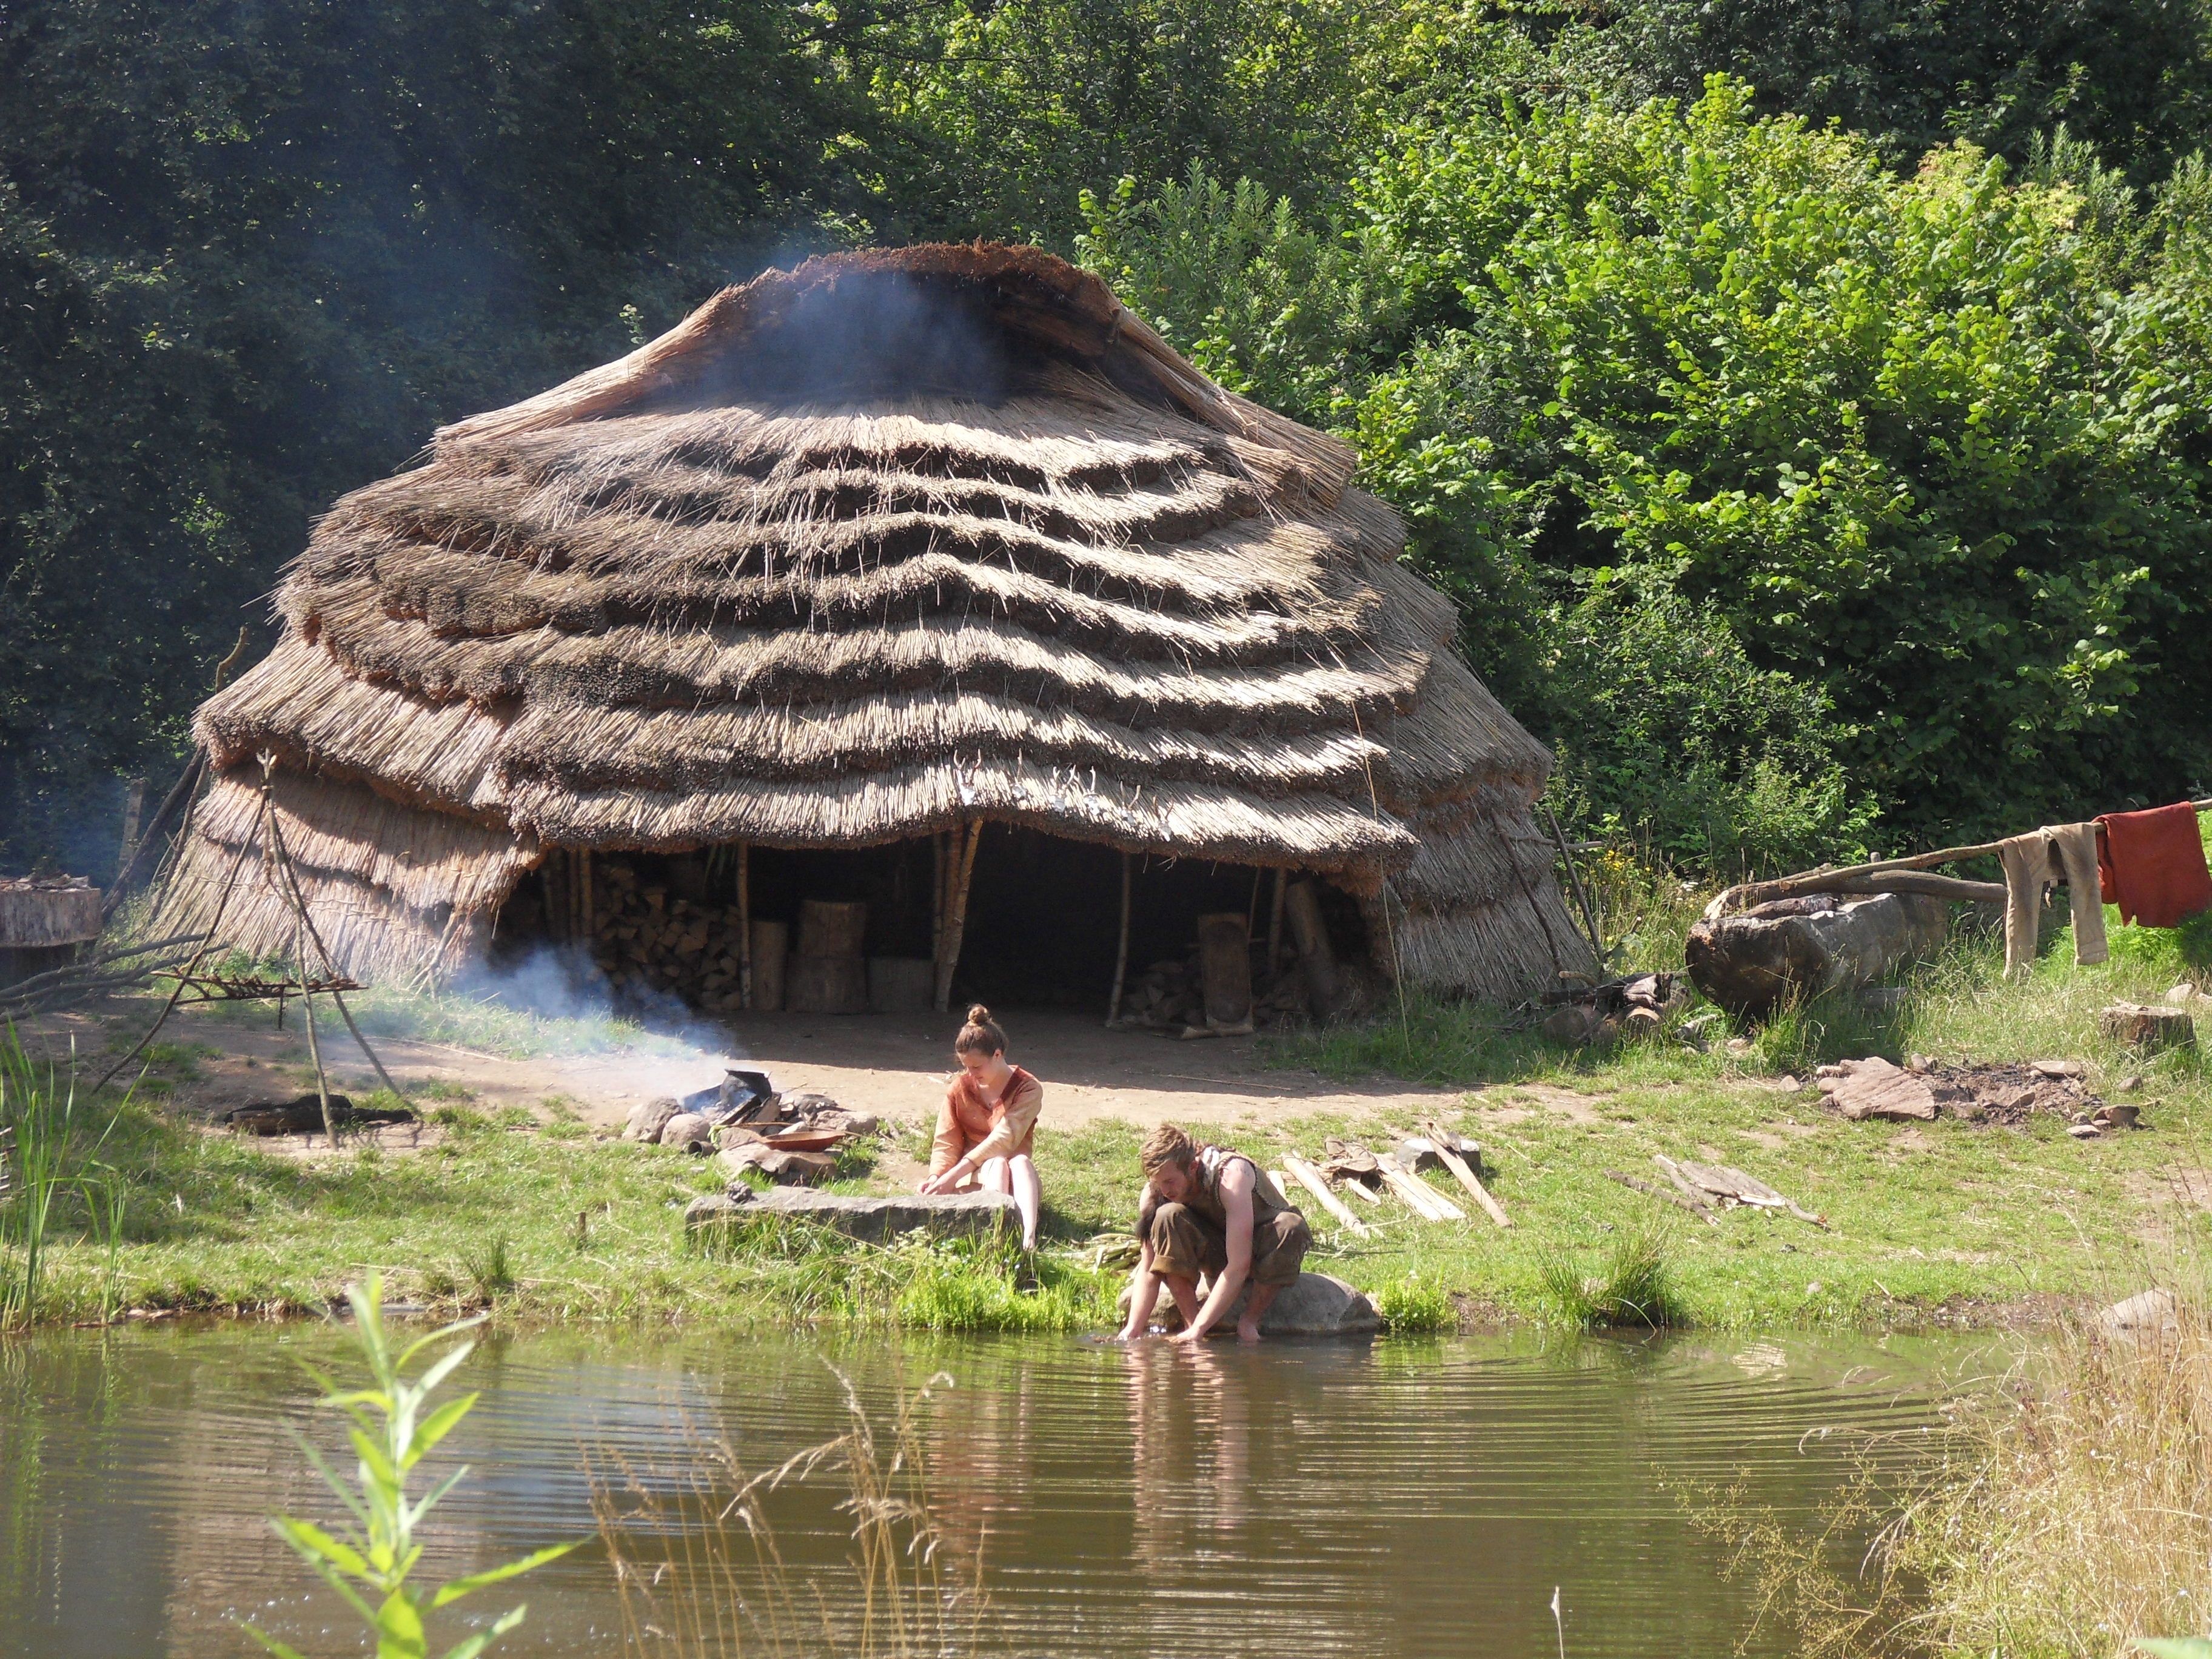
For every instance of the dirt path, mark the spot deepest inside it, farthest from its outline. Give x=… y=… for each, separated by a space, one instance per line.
x=895 y=1066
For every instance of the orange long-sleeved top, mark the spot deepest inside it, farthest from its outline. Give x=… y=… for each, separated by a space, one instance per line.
x=968 y=1127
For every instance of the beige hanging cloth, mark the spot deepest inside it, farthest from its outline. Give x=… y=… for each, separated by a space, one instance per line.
x=2065 y=852
x=2073 y=862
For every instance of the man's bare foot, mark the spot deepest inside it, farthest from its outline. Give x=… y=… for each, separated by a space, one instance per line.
x=1248 y=1330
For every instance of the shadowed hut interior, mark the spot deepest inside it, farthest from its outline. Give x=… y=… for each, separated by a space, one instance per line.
x=927 y=581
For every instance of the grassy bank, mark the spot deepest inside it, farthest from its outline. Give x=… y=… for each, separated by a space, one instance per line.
x=536 y=1212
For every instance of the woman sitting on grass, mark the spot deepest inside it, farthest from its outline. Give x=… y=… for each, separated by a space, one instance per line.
x=988 y=1122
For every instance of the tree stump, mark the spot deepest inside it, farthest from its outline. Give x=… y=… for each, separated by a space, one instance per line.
x=2150 y=1029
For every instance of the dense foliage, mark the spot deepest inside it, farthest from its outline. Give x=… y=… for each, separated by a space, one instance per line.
x=1804 y=484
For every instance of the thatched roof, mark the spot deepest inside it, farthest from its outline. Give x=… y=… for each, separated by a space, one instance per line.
x=858 y=551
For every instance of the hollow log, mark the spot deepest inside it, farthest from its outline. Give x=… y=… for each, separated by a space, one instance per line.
x=1317 y=961
x=1794 y=949
x=1224 y=967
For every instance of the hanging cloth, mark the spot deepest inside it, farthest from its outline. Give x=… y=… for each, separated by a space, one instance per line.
x=2152 y=865
x=2073 y=862
x=2065 y=854
x=2026 y=860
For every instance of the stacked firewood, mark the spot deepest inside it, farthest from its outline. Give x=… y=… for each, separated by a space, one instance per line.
x=647 y=936
x=1171 y=996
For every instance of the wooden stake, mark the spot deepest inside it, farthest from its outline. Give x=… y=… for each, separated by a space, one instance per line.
x=1311 y=1178
x=1476 y=1190
x=1360 y=1190
x=1121 y=951
x=1275 y=929
x=134 y=807
x=745 y=925
x=960 y=870
x=314 y=1043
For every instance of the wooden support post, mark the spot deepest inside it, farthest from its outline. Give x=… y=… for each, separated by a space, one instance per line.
x=745 y=925
x=959 y=871
x=1121 y=951
x=314 y=1042
x=584 y=900
x=1311 y=1178
x=936 y=896
x=134 y=807
x=1275 y=930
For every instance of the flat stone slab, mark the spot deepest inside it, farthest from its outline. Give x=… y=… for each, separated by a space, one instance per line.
x=876 y=1220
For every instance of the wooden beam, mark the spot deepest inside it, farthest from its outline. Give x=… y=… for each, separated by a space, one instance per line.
x=1275 y=929
x=745 y=925
x=1311 y=1178
x=1121 y=951
x=1424 y=1199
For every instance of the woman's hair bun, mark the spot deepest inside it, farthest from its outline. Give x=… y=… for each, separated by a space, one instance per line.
x=981 y=1034
x=979 y=1014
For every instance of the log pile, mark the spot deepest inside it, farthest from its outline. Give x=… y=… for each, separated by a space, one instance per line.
x=647 y=937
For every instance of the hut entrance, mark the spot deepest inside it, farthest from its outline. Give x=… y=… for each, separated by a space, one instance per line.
x=850 y=930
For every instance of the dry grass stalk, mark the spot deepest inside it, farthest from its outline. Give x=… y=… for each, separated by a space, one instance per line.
x=700 y=1574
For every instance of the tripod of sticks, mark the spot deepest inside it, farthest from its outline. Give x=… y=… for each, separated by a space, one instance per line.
x=267 y=835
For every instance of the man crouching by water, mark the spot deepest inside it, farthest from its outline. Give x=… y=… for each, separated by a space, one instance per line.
x=1210 y=1211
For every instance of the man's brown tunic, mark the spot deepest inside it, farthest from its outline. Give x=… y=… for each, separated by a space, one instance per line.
x=1192 y=1237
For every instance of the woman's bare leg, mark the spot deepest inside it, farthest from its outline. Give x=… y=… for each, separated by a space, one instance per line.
x=1029 y=1192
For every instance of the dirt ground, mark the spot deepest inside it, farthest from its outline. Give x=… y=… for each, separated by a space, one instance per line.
x=894 y=1066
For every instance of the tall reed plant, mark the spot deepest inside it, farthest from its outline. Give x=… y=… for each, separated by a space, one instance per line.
x=47 y=1148
x=701 y=1575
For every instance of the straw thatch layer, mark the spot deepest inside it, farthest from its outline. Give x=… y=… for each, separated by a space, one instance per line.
x=861 y=551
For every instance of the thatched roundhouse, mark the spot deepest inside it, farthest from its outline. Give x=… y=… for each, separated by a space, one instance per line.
x=871 y=551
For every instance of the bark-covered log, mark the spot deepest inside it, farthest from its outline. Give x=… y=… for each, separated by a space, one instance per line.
x=1754 y=963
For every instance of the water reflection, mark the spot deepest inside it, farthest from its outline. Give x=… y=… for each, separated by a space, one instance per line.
x=1403 y=1498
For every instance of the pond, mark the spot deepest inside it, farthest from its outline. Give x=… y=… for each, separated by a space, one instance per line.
x=1403 y=1497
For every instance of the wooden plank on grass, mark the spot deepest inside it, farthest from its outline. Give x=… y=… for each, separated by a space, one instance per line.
x=1309 y=1178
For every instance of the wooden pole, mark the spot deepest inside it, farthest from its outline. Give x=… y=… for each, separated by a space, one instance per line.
x=1121 y=951
x=745 y=925
x=584 y=895
x=134 y=808
x=937 y=895
x=314 y=1042
x=1275 y=928
x=1467 y=1178
x=960 y=871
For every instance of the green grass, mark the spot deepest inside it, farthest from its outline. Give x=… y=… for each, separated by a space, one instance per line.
x=1961 y=1220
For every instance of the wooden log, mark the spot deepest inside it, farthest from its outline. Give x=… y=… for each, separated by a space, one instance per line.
x=134 y=807
x=1316 y=960
x=832 y=929
x=828 y=985
x=960 y=872
x=771 y=947
x=1224 y=967
x=1121 y=951
x=1311 y=1178
x=1360 y=1190
x=1701 y=1210
x=1751 y=964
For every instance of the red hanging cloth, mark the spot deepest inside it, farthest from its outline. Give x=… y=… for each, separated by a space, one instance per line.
x=2151 y=865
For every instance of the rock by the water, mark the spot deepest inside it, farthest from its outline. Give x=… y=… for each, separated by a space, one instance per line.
x=648 y=1120
x=876 y=1220
x=692 y=1131
x=2146 y=1310
x=1774 y=953
x=1318 y=1304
